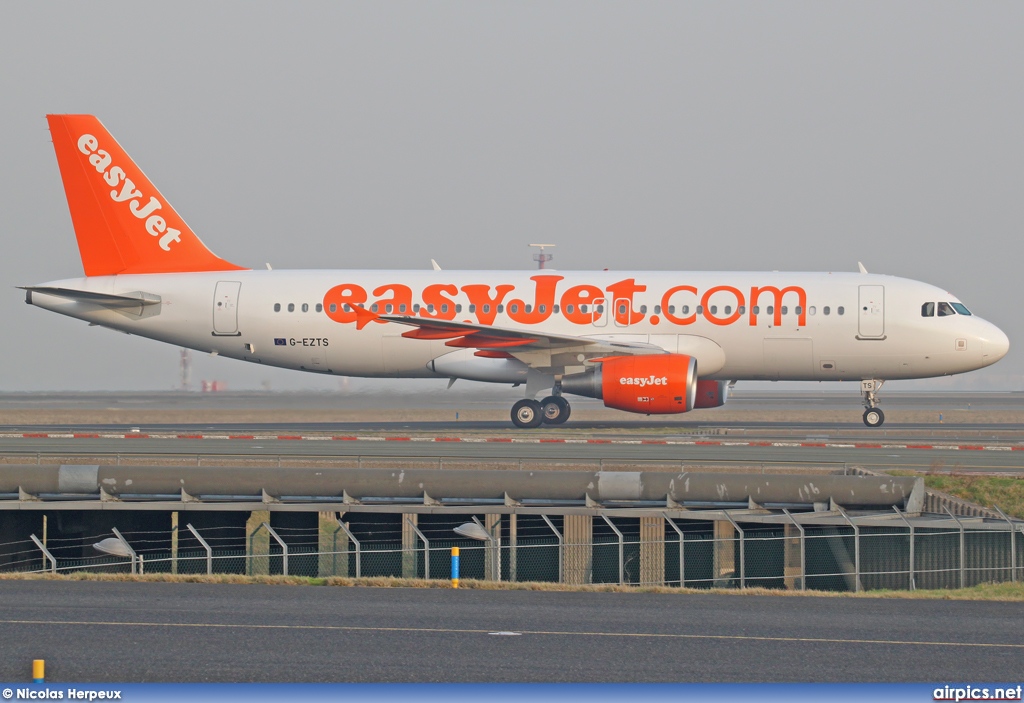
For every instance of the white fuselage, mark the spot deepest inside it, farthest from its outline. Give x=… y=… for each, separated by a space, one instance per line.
x=801 y=326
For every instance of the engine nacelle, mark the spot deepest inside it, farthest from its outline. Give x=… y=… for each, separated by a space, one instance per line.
x=654 y=384
x=711 y=394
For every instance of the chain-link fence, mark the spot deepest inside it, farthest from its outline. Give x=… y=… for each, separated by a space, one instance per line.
x=697 y=554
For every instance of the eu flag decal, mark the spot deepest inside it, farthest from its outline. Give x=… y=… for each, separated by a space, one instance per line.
x=280 y=342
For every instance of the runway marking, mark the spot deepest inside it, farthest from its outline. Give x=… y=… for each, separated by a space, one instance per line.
x=557 y=633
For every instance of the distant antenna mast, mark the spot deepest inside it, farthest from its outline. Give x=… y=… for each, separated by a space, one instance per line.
x=542 y=258
x=186 y=370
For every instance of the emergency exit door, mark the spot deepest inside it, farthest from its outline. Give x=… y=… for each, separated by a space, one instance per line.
x=225 y=308
x=871 y=312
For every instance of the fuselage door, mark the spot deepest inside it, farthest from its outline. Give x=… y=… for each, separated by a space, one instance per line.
x=871 y=312
x=598 y=314
x=225 y=308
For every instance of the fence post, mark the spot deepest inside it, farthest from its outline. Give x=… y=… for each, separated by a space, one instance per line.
x=426 y=549
x=913 y=584
x=962 y=556
x=803 y=551
x=46 y=554
x=682 y=572
x=856 y=549
x=126 y=546
x=455 y=567
x=743 y=560
x=622 y=569
x=1013 y=543
x=495 y=549
x=359 y=560
x=284 y=547
x=209 y=551
x=561 y=554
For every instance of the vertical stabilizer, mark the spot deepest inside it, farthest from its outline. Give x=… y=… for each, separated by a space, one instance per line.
x=122 y=222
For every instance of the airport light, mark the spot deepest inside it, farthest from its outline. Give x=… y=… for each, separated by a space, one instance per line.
x=471 y=530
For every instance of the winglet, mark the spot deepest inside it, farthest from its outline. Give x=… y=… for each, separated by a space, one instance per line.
x=861 y=267
x=434 y=264
x=122 y=222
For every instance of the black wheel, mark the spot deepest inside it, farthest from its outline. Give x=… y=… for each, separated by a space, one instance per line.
x=527 y=413
x=873 y=417
x=555 y=409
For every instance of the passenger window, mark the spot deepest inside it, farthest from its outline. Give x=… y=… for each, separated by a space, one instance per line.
x=657 y=309
x=555 y=309
x=928 y=310
x=569 y=309
x=685 y=310
x=444 y=307
x=501 y=308
x=334 y=307
x=840 y=310
x=583 y=308
x=542 y=308
x=622 y=309
x=373 y=308
x=643 y=309
x=700 y=309
x=472 y=308
x=771 y=309
x=799 y=310
x=961 y=308
x=945 y=310
x=600 y=309
x=458 y=307
x=785 y=310
x=319 y=307
x=756 y=309
x=277 y=307
x=430 y=308
x=714 y=309
x=672 y=309
x=728 y=309
x=291 y=307
x=528 y=308
x=826 y=310
x=305 y=307
x=415 y=307
x=389 y=308
x=401 y=308
x=742 y=310
x=513 y=308
x=812 y=310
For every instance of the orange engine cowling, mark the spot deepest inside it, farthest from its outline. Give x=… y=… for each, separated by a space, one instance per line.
x=654 y=384
x=711 y=394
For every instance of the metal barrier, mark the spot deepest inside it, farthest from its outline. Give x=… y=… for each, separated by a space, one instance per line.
x=854 y=557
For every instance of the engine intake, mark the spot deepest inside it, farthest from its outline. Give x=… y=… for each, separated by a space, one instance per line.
x=655 y=384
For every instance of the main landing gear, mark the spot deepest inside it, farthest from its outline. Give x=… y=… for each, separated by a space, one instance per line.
x=873 y=415
x=528 y=413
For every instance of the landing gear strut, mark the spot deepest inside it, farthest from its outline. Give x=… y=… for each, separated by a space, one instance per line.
x=873 y=416
x=528 y=413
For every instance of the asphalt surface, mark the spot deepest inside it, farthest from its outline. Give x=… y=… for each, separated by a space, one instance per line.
x=789 y=454
x=145 y=632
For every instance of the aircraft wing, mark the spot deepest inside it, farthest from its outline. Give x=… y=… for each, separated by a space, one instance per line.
x=539 y=350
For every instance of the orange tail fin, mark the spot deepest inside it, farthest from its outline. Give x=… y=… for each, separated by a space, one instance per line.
x=122 y=222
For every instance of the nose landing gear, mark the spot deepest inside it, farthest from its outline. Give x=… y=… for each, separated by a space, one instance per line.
x=528 y=413
x=873 y=416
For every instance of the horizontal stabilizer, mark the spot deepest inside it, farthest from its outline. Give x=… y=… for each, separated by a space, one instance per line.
x=107 y=300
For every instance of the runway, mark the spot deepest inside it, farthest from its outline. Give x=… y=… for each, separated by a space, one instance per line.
x=134 y=632
x=672 y=452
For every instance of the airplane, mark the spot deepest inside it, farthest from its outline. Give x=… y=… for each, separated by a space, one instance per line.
x=648 y=342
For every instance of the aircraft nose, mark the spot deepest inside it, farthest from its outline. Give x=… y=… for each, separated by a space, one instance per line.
x=995 y=344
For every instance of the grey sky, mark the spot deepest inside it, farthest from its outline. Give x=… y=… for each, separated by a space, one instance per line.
x=790 y=136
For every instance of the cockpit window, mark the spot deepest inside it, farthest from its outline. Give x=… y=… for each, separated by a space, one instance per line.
x=945 y=309
x=928 y=310
x=961 y=308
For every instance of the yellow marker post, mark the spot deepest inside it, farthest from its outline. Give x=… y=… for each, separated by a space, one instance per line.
x=38 y=671
x=455 y=567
